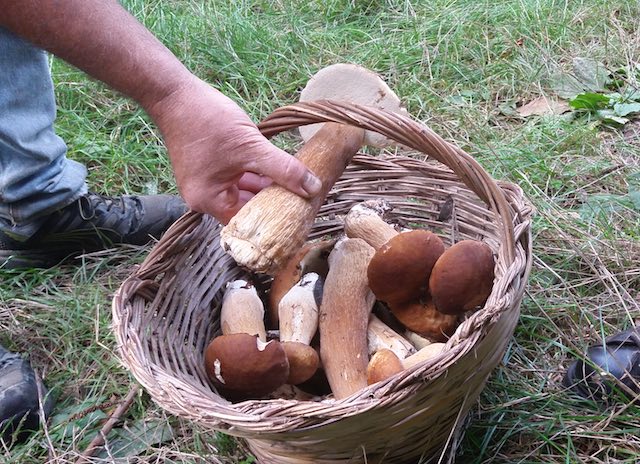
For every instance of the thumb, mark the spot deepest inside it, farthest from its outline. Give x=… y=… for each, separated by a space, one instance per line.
x=287 y=171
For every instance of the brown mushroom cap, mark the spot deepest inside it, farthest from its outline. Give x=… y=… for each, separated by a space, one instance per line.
x=303 y=362
x=400 y=269
x=423 y=318
x=462 y=278
x=241 y=366
x=382 y=365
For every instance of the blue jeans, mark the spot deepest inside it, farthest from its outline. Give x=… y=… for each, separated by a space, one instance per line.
x=36 y=177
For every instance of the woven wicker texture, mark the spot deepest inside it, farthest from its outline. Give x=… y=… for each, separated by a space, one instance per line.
x=166 y=312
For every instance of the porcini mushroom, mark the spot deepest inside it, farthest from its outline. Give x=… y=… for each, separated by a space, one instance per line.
x=385 y=363
x=382 y=312
x=418 y=341
x=365 y=221
x=424 y=354
x=274 y=224
x=312 y=257
x=240 y=362
x=399 y=271
x=344 y=317
x=355 y=84
x=242 y=366
x=298 y=314
x=382 y=365
x=462 y=278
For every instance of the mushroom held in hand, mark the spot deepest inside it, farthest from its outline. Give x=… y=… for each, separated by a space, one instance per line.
x=242 y=366
x=274 y=224
x=298 y=314
x=462 y=278
x=271 y=227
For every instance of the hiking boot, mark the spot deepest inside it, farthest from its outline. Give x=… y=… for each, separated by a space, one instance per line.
x=91 y=223
x=19 y=404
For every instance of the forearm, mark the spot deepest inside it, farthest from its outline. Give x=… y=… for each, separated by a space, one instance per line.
x=212 y=143
x=104 y=40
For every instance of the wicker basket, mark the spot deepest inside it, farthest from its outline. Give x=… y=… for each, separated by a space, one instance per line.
x=166 y=312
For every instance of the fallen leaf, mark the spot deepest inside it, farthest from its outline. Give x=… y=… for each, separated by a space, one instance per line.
x=625 y=109
x=542 y=106
x=592 y=73
x=587 y=75
x=566 y=85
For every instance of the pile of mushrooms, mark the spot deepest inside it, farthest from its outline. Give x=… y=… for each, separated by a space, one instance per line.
x=328 y=338
x=326 y=307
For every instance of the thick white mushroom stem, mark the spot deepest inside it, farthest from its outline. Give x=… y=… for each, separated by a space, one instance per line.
x=275 y=223
x=381 y=336
x=312 y=257
x=298 y=310
x=346 y=305
x=366 y=221
x=298 y=314
x=242 y=310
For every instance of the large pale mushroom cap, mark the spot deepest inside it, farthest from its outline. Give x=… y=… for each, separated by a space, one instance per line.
x=354 y=84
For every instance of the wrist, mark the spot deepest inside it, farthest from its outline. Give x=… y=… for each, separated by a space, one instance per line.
x=158 y=99
x=192 y=106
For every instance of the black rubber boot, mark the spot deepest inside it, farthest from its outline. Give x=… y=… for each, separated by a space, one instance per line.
x=619 y=356
x=19 y=404
x=91 y=223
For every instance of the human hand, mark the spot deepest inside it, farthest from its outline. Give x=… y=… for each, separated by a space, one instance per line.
x=219 y=157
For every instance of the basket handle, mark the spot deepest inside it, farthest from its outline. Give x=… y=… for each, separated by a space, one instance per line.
x=405 y=131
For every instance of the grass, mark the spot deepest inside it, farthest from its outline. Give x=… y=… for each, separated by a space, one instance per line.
x=459 y=65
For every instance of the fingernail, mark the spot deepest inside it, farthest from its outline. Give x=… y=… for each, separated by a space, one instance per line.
x=311 y=184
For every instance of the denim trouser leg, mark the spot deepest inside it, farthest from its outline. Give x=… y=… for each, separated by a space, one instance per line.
x=36 y=177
